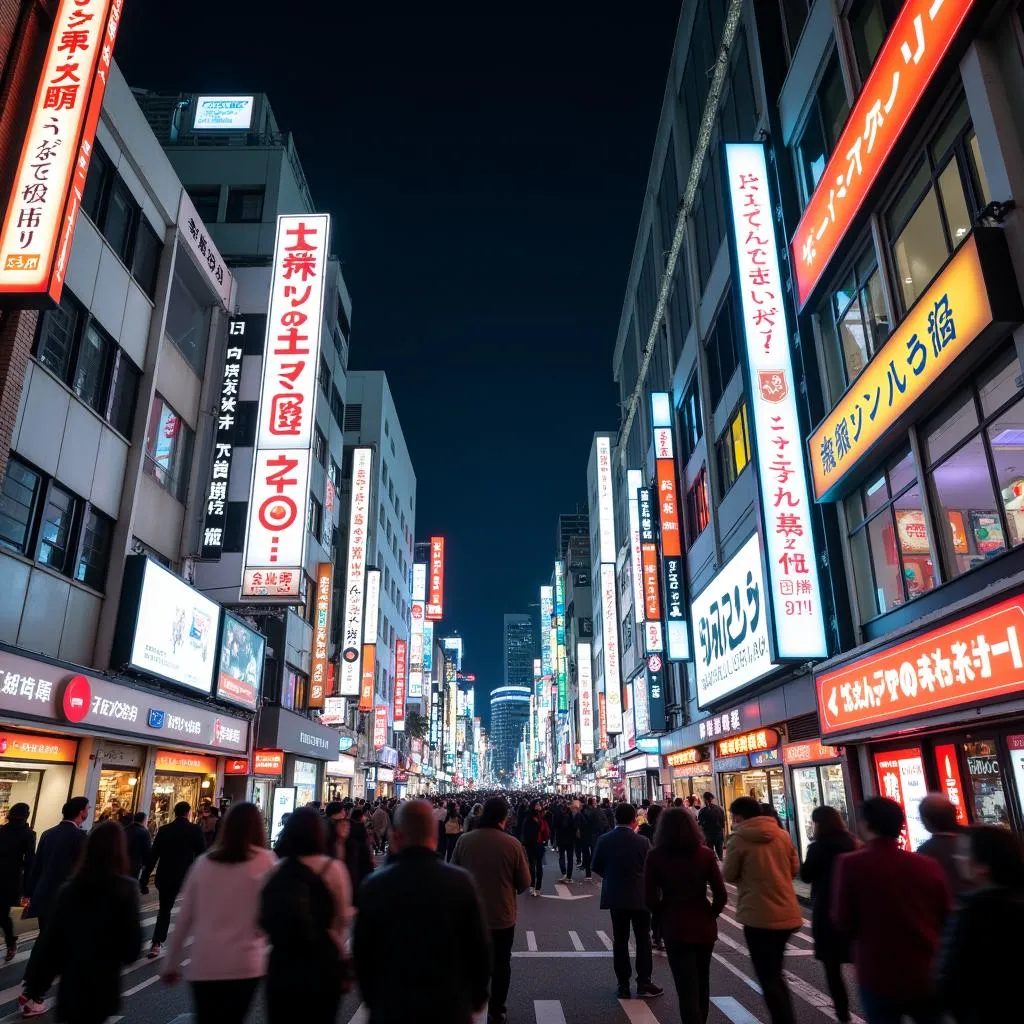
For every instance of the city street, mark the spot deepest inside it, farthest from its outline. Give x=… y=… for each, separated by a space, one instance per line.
x=561 y=972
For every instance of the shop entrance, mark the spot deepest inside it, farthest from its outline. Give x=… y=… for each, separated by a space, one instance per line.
x=696 y=785
x=816 y=786
x=188 y=777
x=765 y=785
x=36 y=770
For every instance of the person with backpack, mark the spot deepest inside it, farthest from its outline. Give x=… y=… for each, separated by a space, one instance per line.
x=535 y=835
x=305 y=909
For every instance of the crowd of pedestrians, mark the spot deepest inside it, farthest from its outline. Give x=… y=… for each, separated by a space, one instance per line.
x=327 y=903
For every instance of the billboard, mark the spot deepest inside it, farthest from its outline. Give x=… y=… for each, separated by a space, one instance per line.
x=585 y=685
x=380 y=726
x=321 y=634
x=561 y=664
x=46 y=193
x=223 y=113
x=368 y=681
x=419 y=582
x=793 y=578
x=635 y=481
x=605 y=499
x=275 y=539
x=355 y=576
x=401 y=670
x=371 y=620
x=609 y=630
x=435 y=598
x=240 y=670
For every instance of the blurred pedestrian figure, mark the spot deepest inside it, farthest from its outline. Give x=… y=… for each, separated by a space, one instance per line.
x=565 y=838
x=358 y=851
x=101 y=896
x=711 y=819
x=498 y=865
x=680 y=871
x=762 y=863
x=140 y=844
x=220 y=914
x=175 y=848
x=590 y=829
x=647 y=829
x=305 y=908
x=619 y=859
x=534 y=837
x=17 y=851
x=452 y=829
x=447 y=980
x=473 y=818
x=208 y=822
x=938 y=815
x=381 y=824
x=982 y=937
x=892 y=904
x=338 y=828
x=831 y=840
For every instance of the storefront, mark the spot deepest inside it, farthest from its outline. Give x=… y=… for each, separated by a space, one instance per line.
x=940 y=709
x=304 y=747
x=750 y=764
x=36 y=770
x=178 y=777
x=643 y=777
x=689 y=771
x=339 y=776
x=817 y=777
x=119 y=791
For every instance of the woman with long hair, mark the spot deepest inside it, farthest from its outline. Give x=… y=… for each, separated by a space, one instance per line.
x=336 y=815
x=219 y=912
x=831 y=840
x=101 y=896
x=305 y=910
x=679 y=873
x=17 y=851
x=452 y=829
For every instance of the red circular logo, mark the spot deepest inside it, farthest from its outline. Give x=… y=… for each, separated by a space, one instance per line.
x=77 y=699
x=417 y=610
x=654 y=663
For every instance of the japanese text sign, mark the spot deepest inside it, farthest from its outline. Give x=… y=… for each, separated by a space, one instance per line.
x=435 y=600
x=920 y=38
x=215 y=513
x=275 y=541
x=651 y=595
x=747 y=743
x=973 y=659
x=401 y=670
x=657 y=719
x=605 y=499
x=947 y=765
x=204 y=252
x=355 y=576
x=634 y=481
x=369 y=678
x=380 y=726
x=602 y=721
x=321 y=634
x=943 y=323
x=808 y=752
x=901 y=778
x=268 y=762
x=730 y=625
x=609 y=630
x=46 y=194
x=372 y=619
x=585 y=685
x=419 y=581
x=692 y=755
x=793 y=578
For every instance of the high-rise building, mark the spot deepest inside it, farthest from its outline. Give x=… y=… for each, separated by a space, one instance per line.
x=520 y=649
x=572 y=524
x=510 y=714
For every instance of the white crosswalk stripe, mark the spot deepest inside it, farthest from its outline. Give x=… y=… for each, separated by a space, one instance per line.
x=548 y=1011
x=607 y=942
x=531 y=941
x=577 y=942
x=734 y=1010
x=637 y=1011
x=361 y=1016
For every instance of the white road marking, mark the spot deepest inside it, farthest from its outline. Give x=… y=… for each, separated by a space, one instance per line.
x=361 y=1016
x=562 y=893
x=605 y=941
x=732 y=968
x=561 y=954
x=638 y=1011
x=548 y=1011
x=531 y=941
x=142 y=984
x=737 y=1013
x=577 y=943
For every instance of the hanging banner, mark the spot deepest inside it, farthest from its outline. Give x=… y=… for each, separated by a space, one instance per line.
x=321 y=634
x=369 y=679
x=609 y=629
x=585 y=684
x=634 y=482
x=435 y=600
x=401 y=668
x=380 y=726
x=355 y=579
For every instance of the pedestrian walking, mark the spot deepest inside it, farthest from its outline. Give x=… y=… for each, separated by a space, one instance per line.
x=711 y=819
x=832 y=839
x=679 y=873
x=892 y=904
x=762 y=863
x=498 y=865
x=175 y=848
x=447 y=980
x=140 y=844
x=381 y=824
x=304 y=909
x=17 y=851
x=565 y=839
x=219 y=914
x=452 y=830
x=57 y=854
x=647 y=829
x=590 y=829
x=208 y=822
x=982 y=937
x=473 y=818
x=938 y=815
x=339 y=828
x=358 y=851
x=534 y=836
x=101 y=897
x=619 y=858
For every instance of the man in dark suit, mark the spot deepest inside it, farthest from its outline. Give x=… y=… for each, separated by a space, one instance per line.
x=140 y=843
x=451 y=973
x=619 y=858
x=56 y=856
x=175 y=848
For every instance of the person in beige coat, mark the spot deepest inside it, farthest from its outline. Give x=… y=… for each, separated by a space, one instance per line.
x=761 y=861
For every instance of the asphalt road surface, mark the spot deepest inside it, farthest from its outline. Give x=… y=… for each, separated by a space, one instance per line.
x=561 y=972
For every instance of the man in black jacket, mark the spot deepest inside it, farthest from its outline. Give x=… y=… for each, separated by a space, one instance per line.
x=140 y=843
x=448 y=981
x=175 y=848
x=711 y=819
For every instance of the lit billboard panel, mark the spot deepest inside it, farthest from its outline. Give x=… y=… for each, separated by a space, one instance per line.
x=634 y=481
x=321 y=634
x=355 y=577
x=401 y=669
x=609 y=629
x=585 y=684
x=435 y=599
x=605 y=500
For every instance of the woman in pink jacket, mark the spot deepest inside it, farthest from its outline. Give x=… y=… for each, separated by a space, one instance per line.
x=220 y=912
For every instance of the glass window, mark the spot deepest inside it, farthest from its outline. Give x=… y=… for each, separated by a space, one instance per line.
x=124 y=389
x=988 y=796
x=723 y=358
x=870 y=21
x=188 y=324
x=734 y=448
x=97 y=182
x=698 y=506
x=691 y=427
x=119 y=220
x=57 y=528
x=57 y=330
x=825 y=121
x=168 y=448
x=794 y=14
x=245 y=205
x=206 y=200
x=146 y=261
x=314 y=517
x=324 y=376
x=319 y=446
x=97 y=532
x=95 y=355
x=17 y=503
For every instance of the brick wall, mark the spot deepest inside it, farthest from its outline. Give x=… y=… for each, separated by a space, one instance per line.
x=24 y=31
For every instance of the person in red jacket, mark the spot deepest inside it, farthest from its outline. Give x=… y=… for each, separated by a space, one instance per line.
x=893 y=905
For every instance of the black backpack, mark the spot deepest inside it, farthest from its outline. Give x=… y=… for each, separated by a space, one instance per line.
x=297 y=908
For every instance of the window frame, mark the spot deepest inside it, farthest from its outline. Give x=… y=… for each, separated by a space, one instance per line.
x=728 y=468
x=698 y=506
x=181 y=471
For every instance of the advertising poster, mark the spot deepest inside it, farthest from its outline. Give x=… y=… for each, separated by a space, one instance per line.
x=241 y=663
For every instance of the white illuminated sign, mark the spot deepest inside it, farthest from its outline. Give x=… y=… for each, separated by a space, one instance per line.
x=609 y=630
x=220 y=113
x=371 y=622
x=795 y=586
x=605 y=499
x=276 y=531
x=585 y=685
x=641 y=708
x=730 y=627
x=634 y=481
x=355 y=578
x=419 y=581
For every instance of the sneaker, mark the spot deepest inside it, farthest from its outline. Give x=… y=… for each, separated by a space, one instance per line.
x=154 y=951
x=33 y=1008
x=22 y=1000
x=649 y=991
x=535 y=892
x=563 y=879
x=624 y=992
x=12 y=952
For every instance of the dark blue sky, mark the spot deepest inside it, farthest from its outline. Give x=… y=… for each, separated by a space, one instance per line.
x=485 y=172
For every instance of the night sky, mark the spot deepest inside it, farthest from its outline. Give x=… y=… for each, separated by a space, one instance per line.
x=485 y=173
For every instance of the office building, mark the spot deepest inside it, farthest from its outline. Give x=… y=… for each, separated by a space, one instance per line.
x=571 y=524
x=520 y=646
x=510 y=714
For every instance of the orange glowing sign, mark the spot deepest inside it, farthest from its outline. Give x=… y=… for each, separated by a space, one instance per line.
x=35 y=241
x=910 y=56
x=943 y=324
x=948 y=767
x=268 y=762
x=196 y=764
x=369 y=677
x=668 y=503
x=747 y=743
x=808 y=752
x=24 y=746
x=435 y=592
x=973 y=659
x=321 y=634
x=652 y=595
x=602 y=722
x=692 y=755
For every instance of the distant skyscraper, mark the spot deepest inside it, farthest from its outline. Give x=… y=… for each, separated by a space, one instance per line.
x=572 y=524
x=510 y=713
x=520 y=649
